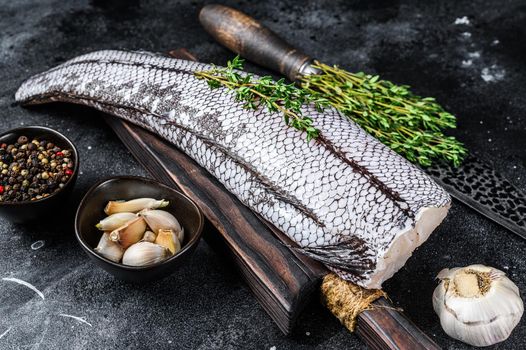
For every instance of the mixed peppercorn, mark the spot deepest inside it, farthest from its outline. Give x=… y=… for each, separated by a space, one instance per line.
x=32 y=170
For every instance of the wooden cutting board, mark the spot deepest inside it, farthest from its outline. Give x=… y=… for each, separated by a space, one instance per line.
x=282 y=280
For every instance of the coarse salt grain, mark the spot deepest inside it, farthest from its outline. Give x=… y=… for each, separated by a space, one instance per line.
x=462 y=20
x=492 y=74
x=467 y=63
x=37 y=245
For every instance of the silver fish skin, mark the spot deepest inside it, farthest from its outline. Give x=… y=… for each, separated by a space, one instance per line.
x=345 y=198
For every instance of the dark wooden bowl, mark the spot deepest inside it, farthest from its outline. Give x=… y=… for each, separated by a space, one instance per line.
x=91 y=211
x=27 y=211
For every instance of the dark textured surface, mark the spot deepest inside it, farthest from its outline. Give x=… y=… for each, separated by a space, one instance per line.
x=206 y=305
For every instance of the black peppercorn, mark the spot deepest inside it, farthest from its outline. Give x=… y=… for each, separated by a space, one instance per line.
x=31 y=170
x=22 y=140
x=7 y=158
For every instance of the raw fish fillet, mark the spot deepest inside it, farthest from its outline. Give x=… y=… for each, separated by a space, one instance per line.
x=345 y=198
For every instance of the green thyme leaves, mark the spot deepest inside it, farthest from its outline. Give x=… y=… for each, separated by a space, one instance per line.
x=275 y=96
x=410 y=125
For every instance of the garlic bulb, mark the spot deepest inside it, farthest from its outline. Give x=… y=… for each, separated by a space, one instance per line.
x=163 y=220
x=109 y=249
x=477 y=304
x=144 y=253
x=115 y=221
x=134 y=205
x=130 y=233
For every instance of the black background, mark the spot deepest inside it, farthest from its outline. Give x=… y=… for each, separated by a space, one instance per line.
x=206 y=305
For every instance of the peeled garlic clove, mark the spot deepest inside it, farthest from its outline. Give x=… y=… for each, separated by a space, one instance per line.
x=144 y=253
x=134 y=205
x=115 y=221
x=163 y=220
x=130 y=233
x=148 y=236
x=169 y=240
x=109 y=249
x=477 y=304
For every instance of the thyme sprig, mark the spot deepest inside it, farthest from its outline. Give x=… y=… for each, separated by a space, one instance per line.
x=276 y=96
x=409 y=124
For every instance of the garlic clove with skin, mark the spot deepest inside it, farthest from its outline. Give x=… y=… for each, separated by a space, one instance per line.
x=130 y=233
x=162 y=220
x=115 y=221
x=148 y=236
x=109 y=249
x=134 y=205
x=169 y=240
x=144 y=253
x=477 y=304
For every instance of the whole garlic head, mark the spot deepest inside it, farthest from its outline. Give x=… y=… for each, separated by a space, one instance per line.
x=477 y=304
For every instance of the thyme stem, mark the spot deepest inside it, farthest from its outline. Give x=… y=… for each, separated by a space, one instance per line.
x=276 y=96
x=409 y=124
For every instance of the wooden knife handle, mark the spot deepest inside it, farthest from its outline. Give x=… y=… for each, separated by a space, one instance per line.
x=385 y=327
x=250 y=39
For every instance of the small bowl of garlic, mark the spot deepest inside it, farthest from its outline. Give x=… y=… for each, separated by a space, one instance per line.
x=136 y=228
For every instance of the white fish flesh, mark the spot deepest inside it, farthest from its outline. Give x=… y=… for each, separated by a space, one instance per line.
x=345 y=198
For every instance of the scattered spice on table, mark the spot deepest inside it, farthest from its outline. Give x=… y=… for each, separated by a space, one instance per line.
x=33 y=169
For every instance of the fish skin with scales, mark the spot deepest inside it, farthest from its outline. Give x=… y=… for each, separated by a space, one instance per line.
x=346 y=199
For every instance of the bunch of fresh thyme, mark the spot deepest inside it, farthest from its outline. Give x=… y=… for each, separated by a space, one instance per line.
x=274 y=95
x=409 y=124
